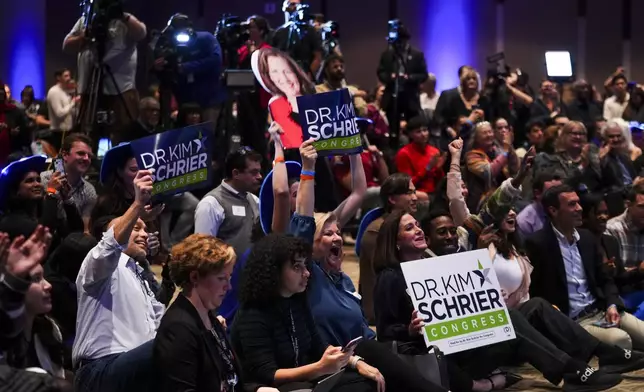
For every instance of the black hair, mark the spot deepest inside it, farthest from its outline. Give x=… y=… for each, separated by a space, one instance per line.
x=434 y=213
x=262 y=275
x=618 y=77
x=386 y=252
x=540 y=179
x=29 y=91
x=395 y=184
x=113 y=198
x=238 y=160
x=59 y=72
x=69 y=141
x=550 y=197
x=636 y=189
x=417 y=123
x=69 y=255
x=262 y=24
x=185 y=110
x=589 y=202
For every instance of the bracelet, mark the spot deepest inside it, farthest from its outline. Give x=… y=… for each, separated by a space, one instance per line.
x=353 y=361
x=278 y=160
x=306 y=177
x=307 y=173
x=52 y=190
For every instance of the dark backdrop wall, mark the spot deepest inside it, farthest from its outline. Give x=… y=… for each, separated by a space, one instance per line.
x=451 y=32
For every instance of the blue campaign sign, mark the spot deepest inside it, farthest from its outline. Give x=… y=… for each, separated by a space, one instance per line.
x=181 y=159
x=330 y=119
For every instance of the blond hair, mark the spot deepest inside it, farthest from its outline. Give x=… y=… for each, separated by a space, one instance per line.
x=199 y=252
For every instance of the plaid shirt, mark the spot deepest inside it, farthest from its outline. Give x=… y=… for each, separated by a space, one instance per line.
x=631 y=239
x=83 y=195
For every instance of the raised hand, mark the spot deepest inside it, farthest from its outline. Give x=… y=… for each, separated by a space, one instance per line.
x=143 y=186
x=23 y=255
x=275 y=131
x=456 y=147
x=308 y=153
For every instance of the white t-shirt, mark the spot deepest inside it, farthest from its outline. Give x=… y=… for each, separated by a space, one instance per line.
x=120 y=57
x=508 y=272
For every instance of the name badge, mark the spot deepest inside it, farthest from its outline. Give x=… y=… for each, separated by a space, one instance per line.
x=239 y=210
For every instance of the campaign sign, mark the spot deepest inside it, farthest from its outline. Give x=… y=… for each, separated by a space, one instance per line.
x=330 y=119
x=180 y=159
x=459 y=298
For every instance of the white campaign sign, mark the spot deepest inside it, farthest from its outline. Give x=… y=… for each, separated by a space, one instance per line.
x=459 y=298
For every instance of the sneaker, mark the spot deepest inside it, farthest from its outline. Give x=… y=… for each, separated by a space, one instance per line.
x=590 y=380
x=628 y=361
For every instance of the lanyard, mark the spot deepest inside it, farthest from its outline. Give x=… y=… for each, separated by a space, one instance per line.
x=226 y=354
x=294 y=341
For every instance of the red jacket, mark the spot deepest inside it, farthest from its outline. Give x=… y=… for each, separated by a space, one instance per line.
x=413 y=160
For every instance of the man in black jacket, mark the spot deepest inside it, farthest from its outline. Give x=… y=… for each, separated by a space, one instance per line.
x=404 y=69
x=568 y=273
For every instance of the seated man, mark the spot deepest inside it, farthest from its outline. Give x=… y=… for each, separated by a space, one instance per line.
x=117 y=313
x=568 y=272
x=532 y=218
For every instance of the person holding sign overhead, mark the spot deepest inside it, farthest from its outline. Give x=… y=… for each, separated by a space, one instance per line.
x=400 y=240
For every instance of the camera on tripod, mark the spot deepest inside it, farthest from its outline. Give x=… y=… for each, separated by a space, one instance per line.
x=97 y=15
x=330 y=32
x=232 y=32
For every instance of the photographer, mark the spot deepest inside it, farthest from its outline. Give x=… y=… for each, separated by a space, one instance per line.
x=110 y=42
x=298 y=38
x=402 y=70
x=190 y=61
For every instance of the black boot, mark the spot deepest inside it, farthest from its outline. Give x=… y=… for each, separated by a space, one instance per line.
x=622 y=361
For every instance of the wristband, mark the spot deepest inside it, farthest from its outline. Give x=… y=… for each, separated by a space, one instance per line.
x=353 y=362
x=304 y=177
x=52 y=190
x=278 y=160
x=307 y=173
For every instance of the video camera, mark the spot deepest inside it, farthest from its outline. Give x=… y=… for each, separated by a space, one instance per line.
x=97 y=15
x=330 y=31
x=397 y=32
x=232 y=32
x=170 y=44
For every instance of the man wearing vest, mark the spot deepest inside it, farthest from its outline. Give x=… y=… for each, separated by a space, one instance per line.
x=229 y=211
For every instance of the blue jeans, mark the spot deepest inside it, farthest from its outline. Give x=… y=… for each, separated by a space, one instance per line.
x=635 y=303
x=128 y=371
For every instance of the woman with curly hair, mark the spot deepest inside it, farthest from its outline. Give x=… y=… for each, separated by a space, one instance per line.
x=191 y=348
x=274 y=332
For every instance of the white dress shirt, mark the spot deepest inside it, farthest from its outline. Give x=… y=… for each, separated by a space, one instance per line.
x=614 y=109
x=209 y=214
x=117 y=310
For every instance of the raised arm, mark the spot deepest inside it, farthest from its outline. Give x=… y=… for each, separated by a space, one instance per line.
x=457 y=206
x=350 y=205
x=281 y=194
x=305 y=203
x=102 y=260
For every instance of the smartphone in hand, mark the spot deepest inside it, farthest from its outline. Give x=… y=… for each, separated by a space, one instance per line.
x=59 y=165
x=352 y=344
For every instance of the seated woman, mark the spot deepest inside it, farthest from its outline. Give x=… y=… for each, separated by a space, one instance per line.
x=191 y=349
x=629 y=281
x=25 y=204
x=334 y=301
x=274 y=333
x=401 y=239
x=40 y=346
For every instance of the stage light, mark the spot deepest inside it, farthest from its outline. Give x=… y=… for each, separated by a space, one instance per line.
x=447 y=38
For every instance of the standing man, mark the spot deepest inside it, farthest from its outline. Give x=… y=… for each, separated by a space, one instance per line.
x=230 y=211
x=614 y=106
x=62 y=107
x=76 y=152
x=402 y=70
x=119 y=94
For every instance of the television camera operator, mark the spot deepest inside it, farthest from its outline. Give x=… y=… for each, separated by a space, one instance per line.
x=299 y=38
x=105 y=39
x=402 y=70
x=189 y=65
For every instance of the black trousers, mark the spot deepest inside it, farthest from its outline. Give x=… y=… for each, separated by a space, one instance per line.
x=398 y=375
x=350 y=381
x=529 y=346
x=560 y=329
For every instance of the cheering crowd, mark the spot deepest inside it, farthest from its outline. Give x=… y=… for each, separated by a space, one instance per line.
x=240 y=287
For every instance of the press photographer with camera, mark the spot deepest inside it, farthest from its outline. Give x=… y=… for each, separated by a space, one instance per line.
x=105 y=39
x=189 y=62
x=402 y=70
x=298 y=38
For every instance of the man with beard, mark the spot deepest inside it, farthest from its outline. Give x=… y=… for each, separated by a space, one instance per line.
x=230 y=211
x=334 y=80
x=569 y=273
x=76 y=152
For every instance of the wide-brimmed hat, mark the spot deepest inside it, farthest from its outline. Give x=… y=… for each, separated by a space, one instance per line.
x=369 y=217
x=14 y=172
x=114 y=158
x=266 y=199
